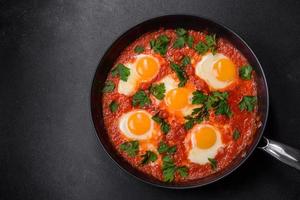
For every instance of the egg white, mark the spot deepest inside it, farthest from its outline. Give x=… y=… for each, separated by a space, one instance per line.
x=123 y=126
x=200 y=156
x=204 y=70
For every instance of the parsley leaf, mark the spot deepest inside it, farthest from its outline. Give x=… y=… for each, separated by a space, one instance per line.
x=245 y=72
x=181 y=32
x=140 y=98
x=210 y=44
x=164 y=126
x=183 y=38
x=113 y=106
x=139 y=49
x=180 y=74
x=201 y=48
x=179 y=43
x=248 y=103
x=158 y=90
x=236 y=135
x=189 y=41
x=131 y=148
x=198 y=97
x=160 y=45
x=108 y=87
x=185 y=61
x=148 y=157
x=122 y=71
x=213 y=163
x=168 y=168
x=164 y=148
x=218 y=101
x=183 y=171
x=197 y=116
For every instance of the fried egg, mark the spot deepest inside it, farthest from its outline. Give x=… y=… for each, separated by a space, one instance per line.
x=218 y=71
x=177 y=100
x=202 y=142
x=143 y=69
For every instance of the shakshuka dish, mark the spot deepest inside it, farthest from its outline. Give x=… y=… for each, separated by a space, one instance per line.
x=180 y=105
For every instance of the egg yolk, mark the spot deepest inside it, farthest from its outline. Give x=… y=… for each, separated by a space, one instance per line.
x=177 y=98
x=225 y=70
x=205 y=138
x=147 y=68
x=139 y=123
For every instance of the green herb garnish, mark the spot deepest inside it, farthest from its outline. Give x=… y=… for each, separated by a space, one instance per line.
x=108 y=87
x=164 y=126
x=180 y=74
x=131 y=148
x=164 y=148
x=213 y=163
x=218 y=101
x=236 y=135
x=148 y=157
x=183 y=171
x=160 y=45
x=122 y=71
x=158 y=90
x=183 y=38
x=248 y=103
x=139 y=49
x=197 y=116
x=245 y=72
x=113 y=106
x=140 y=98
x=185 y=61
x=199 y=97
x=209 y=44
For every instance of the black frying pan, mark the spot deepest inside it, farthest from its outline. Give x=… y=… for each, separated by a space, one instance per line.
x=282 y=152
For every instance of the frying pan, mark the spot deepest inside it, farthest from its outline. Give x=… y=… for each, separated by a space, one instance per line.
x=284 y=153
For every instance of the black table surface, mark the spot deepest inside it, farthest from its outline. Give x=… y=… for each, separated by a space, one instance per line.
x=49 y=53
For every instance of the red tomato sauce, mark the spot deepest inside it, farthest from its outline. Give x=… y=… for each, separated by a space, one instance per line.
x=245 y=122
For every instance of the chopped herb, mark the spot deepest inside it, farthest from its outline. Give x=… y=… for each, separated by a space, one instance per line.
x=185 y=61
x=160 y=45
x=164 y=148
x=213 y=163
x=248 y=103
x=209 y=44
x=168 y=168
x=189 y=41
x=201 y=48
x=197 y=116
x=198 y=97
x=183 y=38
x=180 y=74
x=108 y=87
x=183 y=171
x=122 y=71
x=148 y=157
x=158 y=90
x=181 y=32
x=131 y=148
x=140 y=98
x=164 y=126
x=179 y=43
x=113 y=106
x=218 y=101
x=139 y=49
x=245 y=72
x=236 y=135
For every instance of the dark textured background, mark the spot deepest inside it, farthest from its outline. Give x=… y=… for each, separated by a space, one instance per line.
x=49 y=51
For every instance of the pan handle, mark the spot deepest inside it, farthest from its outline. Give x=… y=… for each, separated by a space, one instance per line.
x=282 y=152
